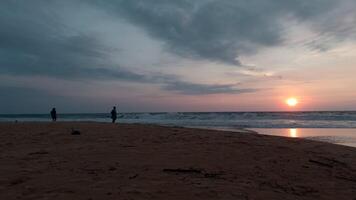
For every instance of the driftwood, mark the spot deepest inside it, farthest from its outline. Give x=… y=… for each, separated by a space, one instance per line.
x=179 y=170
x=203 y=173
x=75 y=132
x=321 y=163
x=133 y=177
x=38 y=153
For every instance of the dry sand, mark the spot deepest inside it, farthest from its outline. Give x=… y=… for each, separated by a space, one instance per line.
x=107 y=161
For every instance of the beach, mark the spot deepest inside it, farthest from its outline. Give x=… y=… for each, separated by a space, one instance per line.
x=40 y=160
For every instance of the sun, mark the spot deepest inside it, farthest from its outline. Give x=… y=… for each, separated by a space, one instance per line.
x=292 y=102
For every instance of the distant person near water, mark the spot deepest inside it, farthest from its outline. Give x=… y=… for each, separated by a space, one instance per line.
x=113 y=114
x=54 y=114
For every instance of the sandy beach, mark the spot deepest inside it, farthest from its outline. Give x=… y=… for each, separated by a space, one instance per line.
x=130 y=161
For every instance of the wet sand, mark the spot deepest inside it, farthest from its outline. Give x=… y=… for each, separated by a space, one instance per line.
x=110 y=161
x=342 y=136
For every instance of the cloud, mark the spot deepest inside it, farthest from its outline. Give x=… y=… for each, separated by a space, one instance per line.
x=35 y=42
x=31 y=100
x=34 y=39
x=25 y=99
x=201 y=89
x=174 y=83
x=222 y=30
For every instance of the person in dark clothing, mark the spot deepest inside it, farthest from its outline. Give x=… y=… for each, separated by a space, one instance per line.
x=113 y=114
x=54 y=114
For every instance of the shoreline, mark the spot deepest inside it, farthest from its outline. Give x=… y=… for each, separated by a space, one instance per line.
x=122 y=161
x=331 y=139
x=328 y=119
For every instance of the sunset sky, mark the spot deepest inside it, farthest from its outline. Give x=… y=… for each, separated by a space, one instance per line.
x=181 y=55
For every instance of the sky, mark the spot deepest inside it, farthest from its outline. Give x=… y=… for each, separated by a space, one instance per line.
x=176 y=56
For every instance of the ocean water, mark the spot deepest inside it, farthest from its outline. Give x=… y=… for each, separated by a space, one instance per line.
x=336 y=127
x=213 y=119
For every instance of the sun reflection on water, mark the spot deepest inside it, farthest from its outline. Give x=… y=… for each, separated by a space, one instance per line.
x=293 y=132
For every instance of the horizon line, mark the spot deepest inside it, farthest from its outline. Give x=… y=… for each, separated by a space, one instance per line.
x=300 y=111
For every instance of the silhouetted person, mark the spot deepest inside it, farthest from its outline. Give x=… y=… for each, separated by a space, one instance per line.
x=54 y=114
x=113 y=114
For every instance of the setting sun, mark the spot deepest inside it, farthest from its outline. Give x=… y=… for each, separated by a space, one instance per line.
x=292 y=102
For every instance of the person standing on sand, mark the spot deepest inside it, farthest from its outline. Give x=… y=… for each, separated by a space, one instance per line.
x=54 y=114
x=113 y=114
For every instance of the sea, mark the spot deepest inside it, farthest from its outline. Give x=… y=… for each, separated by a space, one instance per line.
x=330 y=126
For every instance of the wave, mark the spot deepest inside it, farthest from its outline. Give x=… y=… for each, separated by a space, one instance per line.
x=339 y=119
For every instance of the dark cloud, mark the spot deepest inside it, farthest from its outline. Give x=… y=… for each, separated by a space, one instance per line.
x=217 y=30
x=201 y=89
x=30 y=100
x=174 y=83
x=22 y=99
x=33 y=41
